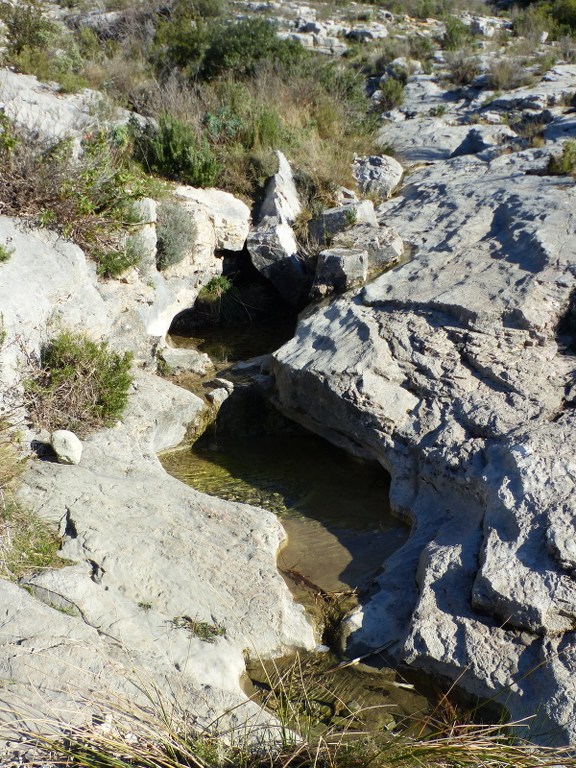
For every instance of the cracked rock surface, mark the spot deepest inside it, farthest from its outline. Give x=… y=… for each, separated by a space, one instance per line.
x=449 y=370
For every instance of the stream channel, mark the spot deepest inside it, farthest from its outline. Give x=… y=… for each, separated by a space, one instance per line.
x=335 y=511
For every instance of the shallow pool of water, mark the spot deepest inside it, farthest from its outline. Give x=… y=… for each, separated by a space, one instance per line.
x=334 y=507
x=230 y=345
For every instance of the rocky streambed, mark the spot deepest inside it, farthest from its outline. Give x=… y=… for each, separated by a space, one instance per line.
x=454 y=371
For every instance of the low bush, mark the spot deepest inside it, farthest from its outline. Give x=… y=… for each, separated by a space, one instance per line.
x=508 y=73
x=240 y=48
x=391 y=94
x=176 y=233
x=457 y=34
x=463 y=67
x=5 y=253
x=25 y=26
x=26 y=542
x=564 y=13
x=38 y=46
x=87 y=199
x=174 y=150
x=78 y=384
x=564 y=164
x=208 y=51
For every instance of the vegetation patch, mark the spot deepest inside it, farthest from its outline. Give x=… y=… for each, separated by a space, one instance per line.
x=176 y=233
x=27 y=543
x=564 y=164
x=35 y=45
x=203 y=630
x=157 y=734
x=78 y=384
x=88 y=199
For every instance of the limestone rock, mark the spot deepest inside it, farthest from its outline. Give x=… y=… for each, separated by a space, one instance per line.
x=186 y=360
x=382 y=244
x=448 y=372
x=281 y=199
x=274 y=252
x=377 y=175
x=229 y=215
x=147 y=550
x=338 y=270
x=478 y=140
x=272 y=243
x=67 y=447
x=335 y=220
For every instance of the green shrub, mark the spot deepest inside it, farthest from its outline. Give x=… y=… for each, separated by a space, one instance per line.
x=564 y=13
x=508 y=73
x=392 y=94
x=78 y=384
x=176 y=233
x=239 y=48
x=26 y=26
x=564 y=164
x=215 y=288
x=87 y=199
x=463 y=67
x=115 y=261
x=174 y=150
x=5 y=253
x=27 y=543
x=457 y=34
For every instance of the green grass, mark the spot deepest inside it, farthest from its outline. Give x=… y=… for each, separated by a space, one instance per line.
x=203 y=630
x=27 y=543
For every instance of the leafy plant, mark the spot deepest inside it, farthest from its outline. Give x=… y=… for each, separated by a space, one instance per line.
x=176 y=233
x=174 y=150
x=26 y=26
x=78 y=384
x=27 y=543
x=87 y=199
x=392 y=94
x=457 y=34
x=463 y=67
x=5 y=253
x=564 y=164
x=215 y=288
x=115 y=261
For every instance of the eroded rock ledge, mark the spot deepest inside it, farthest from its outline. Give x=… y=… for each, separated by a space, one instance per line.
x=448 y=371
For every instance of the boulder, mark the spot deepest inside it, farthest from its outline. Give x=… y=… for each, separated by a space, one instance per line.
x=338 y=270
x=334 y=220
x=281 y=198
x=229 y=216
x=274 y=252
x=67 y=447
x=478 y=140
x=378 y=175
x=272 y=243
x=382 y=244
x=185 y=360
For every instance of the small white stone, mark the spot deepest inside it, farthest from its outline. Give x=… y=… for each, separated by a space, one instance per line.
x=67 y=446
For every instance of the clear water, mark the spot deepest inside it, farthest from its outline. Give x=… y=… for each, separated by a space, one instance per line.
x=334 y=508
